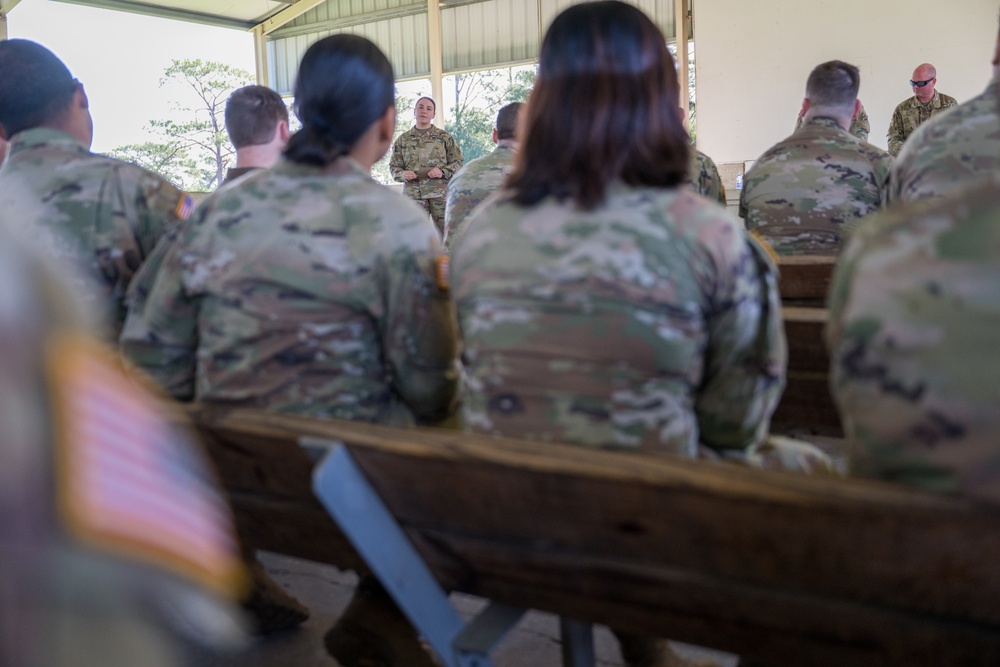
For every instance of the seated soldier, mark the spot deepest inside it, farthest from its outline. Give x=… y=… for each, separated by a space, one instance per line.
x=802 y=192
x=912 y=340
x=310 y=288
x=860 y=127
x=101 y=214
x=257 y=125
x=111 y=528
x=483 y=176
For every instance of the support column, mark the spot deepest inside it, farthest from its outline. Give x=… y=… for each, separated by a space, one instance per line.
x=437 y=66
x=260 y=53
x=681 y=40
x=5 y=8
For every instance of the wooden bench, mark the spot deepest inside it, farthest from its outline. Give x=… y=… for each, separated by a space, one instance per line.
x=779 y=568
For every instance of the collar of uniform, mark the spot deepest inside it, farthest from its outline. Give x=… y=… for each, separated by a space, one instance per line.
x=823 y=121
x=506 y=144
x=934 y=103
x=345 y=165
x=39 y=137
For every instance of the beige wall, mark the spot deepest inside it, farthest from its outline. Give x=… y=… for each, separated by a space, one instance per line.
x=753 y=57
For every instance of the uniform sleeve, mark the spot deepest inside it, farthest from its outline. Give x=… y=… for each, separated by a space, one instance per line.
x=895 y=134
x=420 y=332
x=160 y=332
x=396 y=162
x=744 y=212
x=861 y=127
x=746 y=357
x=453 y=155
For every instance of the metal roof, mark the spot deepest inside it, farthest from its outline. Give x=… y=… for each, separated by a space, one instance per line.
x=237 y=14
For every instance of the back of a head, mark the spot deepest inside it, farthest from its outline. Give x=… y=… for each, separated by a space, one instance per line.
x=604 y=107
x=35 y=86
x=507 y=120
x=253 y=114
x=834 y=85
x=345 y=84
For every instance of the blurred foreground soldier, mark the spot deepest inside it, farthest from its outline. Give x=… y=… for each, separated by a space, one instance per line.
x=309 y=288
x=603 y=302
x=705 y=179
x=806 y=191
x=912 y=337
x=114 y=543
x=257 y=125
x=92 y=211
x=917 y=110
x=955 y=151
x=860 y=125
x=483 y=176
x=424 y=158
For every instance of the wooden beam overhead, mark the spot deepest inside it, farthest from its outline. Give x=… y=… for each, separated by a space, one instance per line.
x=288 y=14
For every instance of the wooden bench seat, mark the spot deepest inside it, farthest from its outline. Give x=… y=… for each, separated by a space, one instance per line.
x=779 y=568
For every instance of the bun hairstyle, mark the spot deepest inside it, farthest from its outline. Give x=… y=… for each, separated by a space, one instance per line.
x=345 y=83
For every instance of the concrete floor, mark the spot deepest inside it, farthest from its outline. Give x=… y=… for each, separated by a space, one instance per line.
x=326 y=591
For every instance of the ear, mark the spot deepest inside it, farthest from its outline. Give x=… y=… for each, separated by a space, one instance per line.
x=387 y=124
x=80 y=97
x=496 y=139
x=283 y=132
x=857 y=109
x=996 y=53
x=3 y=134
x=805 y=106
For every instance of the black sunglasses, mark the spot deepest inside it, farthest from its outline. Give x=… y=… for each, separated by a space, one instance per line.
x=920 y=84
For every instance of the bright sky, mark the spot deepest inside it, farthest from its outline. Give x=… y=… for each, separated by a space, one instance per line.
x=120 y=58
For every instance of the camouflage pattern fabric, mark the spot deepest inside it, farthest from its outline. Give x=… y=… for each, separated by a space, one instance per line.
x=474 y=182
x=803 y=190
x=88 y=210
x=911 y=114
x=954 y=151
x=861 y=127
x=913 y=343
x=705 y=179
x=420 y=151
x=650 y=323
x=302 y=290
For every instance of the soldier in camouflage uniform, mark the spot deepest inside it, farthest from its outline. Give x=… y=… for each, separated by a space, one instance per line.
x=860 y=125
x=802 y=192
x=954 y=151
x=913 y=343
x=925 y=104
x=103 y=214
x=310 y=288
x=424 y=158
x=483 y=176
x=705 y=179
x=71 y=595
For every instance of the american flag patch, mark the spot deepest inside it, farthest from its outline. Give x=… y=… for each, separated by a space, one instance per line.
x=129 y=481
x=185 y=207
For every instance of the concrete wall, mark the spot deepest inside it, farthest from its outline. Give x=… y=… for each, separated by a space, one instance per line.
x=753 y=57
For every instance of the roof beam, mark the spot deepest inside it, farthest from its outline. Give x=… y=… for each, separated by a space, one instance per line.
x=166 y=13
x=287 y=14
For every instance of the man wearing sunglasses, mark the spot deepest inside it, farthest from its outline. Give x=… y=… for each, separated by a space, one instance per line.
x=925 y=104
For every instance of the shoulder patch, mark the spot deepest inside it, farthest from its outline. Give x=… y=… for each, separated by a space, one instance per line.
x=185 y=207
x=442 y=272
x=129 y=481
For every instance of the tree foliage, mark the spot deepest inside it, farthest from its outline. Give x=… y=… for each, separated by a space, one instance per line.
x=191 y=148
x=478 y=98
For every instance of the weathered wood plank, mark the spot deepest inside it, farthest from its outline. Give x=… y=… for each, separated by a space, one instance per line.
x=805 y=278
x=807 y=404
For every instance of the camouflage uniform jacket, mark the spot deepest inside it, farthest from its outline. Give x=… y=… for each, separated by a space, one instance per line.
x=705 y=179
x=476 y=181
x=420 y=151
x=302 y=290
x=649 y=323
x=801 y=192
x=911 y=114
x=954 y=151
x=913 y=343
x=96 y=212
x=860 y=126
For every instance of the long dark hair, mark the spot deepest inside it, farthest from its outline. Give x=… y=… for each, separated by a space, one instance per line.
x=604 y=107
x=345 y=83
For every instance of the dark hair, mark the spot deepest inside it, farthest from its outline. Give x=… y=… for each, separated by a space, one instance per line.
x=604 y=107
x=507 y=121
x=253 y=114
x=833 y=84
x=429 y=99
x=345 y=83
x=35 y=86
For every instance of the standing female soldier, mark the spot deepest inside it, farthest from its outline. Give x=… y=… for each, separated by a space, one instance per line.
x=424 y=158
x=309 y=288
x=602 y=301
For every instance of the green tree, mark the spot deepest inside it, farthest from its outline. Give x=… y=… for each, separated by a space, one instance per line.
x=478 y=98
x=191 y=148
